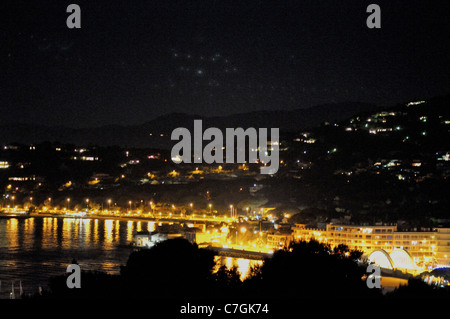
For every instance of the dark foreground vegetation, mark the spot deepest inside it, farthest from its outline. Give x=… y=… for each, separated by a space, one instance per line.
x=176 y=269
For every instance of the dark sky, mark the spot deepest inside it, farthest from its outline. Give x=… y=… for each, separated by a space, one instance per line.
x=134 y=60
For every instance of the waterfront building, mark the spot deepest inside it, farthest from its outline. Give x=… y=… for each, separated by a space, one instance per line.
x=279 y=239
x=428 y=248
x=149 y=239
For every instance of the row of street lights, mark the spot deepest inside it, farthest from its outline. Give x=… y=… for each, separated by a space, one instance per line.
x=233 y=210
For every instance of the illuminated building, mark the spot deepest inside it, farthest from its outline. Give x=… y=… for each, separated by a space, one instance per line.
x=149 y=239
x=23 y=178
x=4 y=164
x=279 y=239
x=84 y=158
x=427 y=248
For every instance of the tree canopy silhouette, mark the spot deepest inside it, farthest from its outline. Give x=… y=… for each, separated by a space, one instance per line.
x=178 y=269
x=171 y=268
x=310 y=269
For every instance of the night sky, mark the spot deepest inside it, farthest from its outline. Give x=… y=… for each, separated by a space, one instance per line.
x=132 y=61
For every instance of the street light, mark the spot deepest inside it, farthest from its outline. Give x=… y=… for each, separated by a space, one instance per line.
x=68 y=202
x=151 y=207
x=109 y=204
x=130 y=205
x=210 y=205
x=87 y=203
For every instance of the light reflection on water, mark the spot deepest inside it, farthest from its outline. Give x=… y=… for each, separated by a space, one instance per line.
x=34 y=249
x=243 y=265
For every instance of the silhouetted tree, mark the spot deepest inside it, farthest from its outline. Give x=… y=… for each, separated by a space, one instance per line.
x=227 y=282
x=171 y=268
x=309 y=269
x=416 y=288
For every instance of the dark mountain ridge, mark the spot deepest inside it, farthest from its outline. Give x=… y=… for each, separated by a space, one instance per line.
x=156 y=133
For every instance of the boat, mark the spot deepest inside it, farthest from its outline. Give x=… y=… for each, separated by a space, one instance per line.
x=14 y=213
